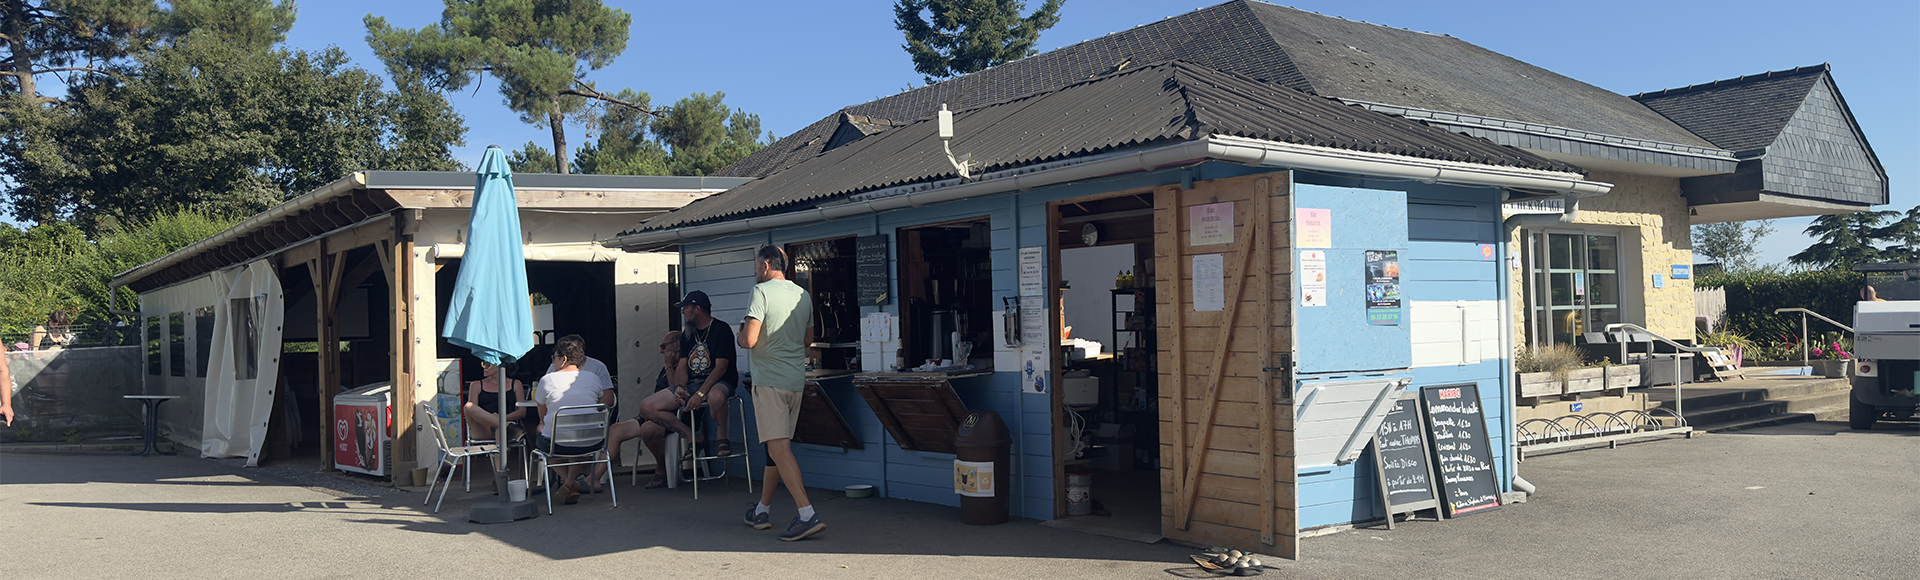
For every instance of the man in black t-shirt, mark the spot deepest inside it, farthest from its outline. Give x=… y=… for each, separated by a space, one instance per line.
x=707 y=355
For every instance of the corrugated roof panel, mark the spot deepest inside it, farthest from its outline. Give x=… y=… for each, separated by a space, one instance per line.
x=1166 y=102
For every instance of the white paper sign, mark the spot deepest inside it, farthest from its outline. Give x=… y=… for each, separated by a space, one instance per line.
x=1033 y=282
x=1313 y=278
x=1209 y=283
x=876 y=327
x=1035 y=344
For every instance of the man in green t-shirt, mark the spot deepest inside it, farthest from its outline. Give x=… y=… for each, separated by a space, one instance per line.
x=778 y=328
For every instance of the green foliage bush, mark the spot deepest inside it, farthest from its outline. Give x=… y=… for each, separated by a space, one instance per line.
x=1752 y=296
x=54 y=266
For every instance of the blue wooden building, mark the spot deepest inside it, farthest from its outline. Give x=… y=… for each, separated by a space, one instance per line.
x=1285 y=262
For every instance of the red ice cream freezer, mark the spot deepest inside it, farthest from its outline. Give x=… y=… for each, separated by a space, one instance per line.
x=362 y=423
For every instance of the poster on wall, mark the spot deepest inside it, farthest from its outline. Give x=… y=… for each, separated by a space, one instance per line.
x=1034 y=343
x=1209 y=283
x=1383 y=287
x=1313 y=278
x=1316 y=227
x=1210 y=224
x=1032 y=280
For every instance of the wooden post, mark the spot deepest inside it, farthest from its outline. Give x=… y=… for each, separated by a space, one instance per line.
x=1167 y=276
x=1261 y=226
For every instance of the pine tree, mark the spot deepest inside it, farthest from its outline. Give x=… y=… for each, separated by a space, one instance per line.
x=1843 y=240
x=949 y=38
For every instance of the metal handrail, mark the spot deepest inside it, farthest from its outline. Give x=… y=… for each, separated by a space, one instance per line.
x=1679 y=398
x=1805 y=359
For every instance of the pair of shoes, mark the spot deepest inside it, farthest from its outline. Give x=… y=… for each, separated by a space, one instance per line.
x=580 y=481
x=722 y=448
x=659 y=481
x=757 y=520
x=803 y=529
x=570 y=494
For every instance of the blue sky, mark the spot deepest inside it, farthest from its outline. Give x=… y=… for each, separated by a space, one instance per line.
x=795 y=62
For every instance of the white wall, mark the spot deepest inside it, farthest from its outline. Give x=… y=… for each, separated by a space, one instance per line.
x=1090 y=272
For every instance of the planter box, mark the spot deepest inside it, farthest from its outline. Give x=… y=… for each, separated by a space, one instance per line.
x=1832 y=369
x=1622 y=377
x=1586 y=380
x=1537 y=384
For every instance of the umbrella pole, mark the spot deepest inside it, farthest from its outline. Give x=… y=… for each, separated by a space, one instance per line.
x=502 y=509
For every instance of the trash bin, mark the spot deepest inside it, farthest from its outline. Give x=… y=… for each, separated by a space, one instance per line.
x=362 y=423
x=980 y=468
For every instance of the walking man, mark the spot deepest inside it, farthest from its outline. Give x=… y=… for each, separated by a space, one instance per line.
x=778 y=327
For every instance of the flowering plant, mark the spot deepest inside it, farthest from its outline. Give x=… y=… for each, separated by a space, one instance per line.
x=1833 y=351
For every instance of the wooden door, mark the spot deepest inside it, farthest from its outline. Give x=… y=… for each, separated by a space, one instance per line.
x=1223 y=280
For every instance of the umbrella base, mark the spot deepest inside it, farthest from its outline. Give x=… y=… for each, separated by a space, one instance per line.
x=503 y=511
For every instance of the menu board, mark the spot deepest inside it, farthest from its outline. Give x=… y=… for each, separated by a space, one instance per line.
x=1458 y=430
x=1401 y=456
x=870 y=270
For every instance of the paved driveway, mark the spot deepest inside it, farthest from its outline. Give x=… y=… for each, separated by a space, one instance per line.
x=1809 y=500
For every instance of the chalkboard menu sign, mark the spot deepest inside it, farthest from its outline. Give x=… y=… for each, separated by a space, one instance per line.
x=1458 y=430
x=870 y=270
x=1401 y=460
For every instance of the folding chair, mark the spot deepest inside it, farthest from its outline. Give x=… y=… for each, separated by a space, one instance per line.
x=700 y=462
x=450 y=456
x=520 y=444
x=588 y=430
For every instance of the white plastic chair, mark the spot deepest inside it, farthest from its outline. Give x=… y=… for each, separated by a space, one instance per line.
x=450 y=456
x=576 y=430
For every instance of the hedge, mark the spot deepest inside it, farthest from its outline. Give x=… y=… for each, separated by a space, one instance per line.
x=1752 y=297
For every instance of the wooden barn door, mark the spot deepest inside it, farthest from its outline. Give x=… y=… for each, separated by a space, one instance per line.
x=1226 y=418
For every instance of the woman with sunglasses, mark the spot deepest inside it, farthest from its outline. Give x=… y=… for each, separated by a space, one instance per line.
x=482 y=410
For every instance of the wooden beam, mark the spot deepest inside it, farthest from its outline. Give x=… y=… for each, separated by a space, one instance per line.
x=1212 y=399
x=1261 y=227
x=1052 y=344
x=1167 y=277
x=404 y=452
x=302 y=253
x=371 y=233
x=537 y=198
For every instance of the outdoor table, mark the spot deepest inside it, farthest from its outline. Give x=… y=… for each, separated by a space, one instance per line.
x=152 y=438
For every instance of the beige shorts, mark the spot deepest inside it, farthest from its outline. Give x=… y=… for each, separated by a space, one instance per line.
x=776 y=411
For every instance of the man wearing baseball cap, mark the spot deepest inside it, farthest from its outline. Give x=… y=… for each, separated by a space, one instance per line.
x=707 y=356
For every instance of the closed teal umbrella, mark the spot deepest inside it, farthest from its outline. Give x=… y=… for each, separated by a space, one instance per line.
x=489 y=313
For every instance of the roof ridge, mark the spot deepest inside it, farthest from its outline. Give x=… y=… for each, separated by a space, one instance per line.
x=1817 y=68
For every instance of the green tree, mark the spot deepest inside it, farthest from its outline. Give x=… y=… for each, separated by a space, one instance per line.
x=539 y=50
x=213 y=124
x=1903 y=237
x=66 y=37
x=53 y=265
x=624 y=144
x=1733 y=244
x=703 y=134
x=1843 y=240
x=949 y=38
x=531 y=158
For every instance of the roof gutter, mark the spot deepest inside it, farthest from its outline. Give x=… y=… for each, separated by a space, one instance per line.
x=1244 y=151
x=296 y=205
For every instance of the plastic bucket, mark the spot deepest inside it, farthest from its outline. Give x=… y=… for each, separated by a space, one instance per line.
x=517 y=490
x=1079 y=494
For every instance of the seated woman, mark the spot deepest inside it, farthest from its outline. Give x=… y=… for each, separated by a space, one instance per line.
x=482 y=410
x=56 y=330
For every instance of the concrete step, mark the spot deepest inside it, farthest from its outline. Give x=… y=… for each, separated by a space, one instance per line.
x=1757 y=422
x=1708 y=395
x=1802 y=407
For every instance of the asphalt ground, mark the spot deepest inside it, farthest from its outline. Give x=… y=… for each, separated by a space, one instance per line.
x=1810 y=500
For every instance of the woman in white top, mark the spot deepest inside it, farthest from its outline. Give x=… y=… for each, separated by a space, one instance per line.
x=567 y=386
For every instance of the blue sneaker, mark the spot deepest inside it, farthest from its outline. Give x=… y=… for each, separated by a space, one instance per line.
x=803 y=529
x=758 y=521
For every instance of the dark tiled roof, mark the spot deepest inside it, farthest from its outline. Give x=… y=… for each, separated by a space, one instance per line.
x=1155 y=104
x=1740 y=114
x=1319 y=54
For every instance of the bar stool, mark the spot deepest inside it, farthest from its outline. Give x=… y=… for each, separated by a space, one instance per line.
x=702 y=471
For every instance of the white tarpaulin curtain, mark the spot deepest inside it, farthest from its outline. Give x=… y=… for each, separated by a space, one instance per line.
x=244 y=364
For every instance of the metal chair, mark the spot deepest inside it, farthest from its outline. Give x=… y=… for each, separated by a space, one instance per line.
x=587 y=430
x=450 y=456
x=701 y=462
x=521 y=444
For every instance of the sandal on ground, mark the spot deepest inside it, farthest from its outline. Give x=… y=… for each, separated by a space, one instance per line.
x=659 y=481
x=722 y=448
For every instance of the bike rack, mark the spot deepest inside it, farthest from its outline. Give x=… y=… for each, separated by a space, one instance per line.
x=1596 y=428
